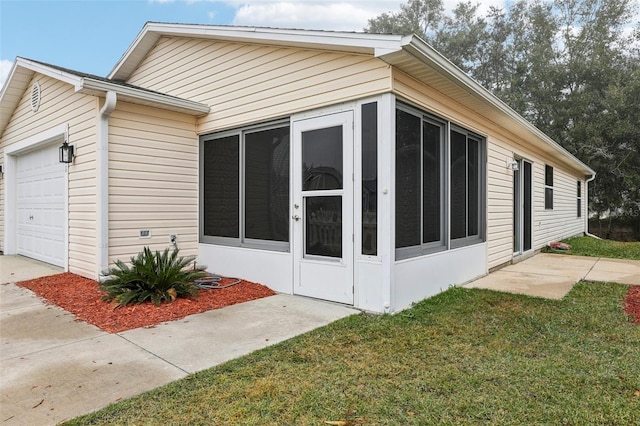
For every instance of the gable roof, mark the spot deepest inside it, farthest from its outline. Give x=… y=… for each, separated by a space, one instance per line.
x=409 y=54
x=23 y=70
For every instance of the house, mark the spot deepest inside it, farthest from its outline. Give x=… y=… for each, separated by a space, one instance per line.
x=359 y=168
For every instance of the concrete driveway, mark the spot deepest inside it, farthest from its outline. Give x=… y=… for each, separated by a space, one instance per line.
x=54 y=368
x=554 y=275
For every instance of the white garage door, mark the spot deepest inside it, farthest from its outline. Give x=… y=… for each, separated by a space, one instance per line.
x=41 y=182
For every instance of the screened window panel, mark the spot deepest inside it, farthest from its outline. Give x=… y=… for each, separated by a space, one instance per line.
x=548 y=175
x=473 y=186
x=323 y=221
x=579 y=200
x=548 y=190
x=458 y=185
x=548 y=198
x=408 y=179
x=221 y=201
x=322 y=159
x=516 y=209
x=370 y=179
x=266 y=186
x=431 y=182
x=528 y=179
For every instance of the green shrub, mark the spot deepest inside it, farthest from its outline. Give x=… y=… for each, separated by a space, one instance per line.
x=156 y=277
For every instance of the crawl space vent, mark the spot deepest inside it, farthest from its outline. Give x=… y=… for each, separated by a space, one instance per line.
x=35 y=96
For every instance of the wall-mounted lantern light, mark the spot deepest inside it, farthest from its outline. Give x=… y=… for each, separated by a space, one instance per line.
x=512 y=164
x=66 y=153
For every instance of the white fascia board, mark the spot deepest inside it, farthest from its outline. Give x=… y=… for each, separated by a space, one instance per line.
x=142 y=44
x=181 y=105
x=8 y=80
x=66 y=77
x=9 y=103
x=16 y=84
x=431 y=57
x=337 y=41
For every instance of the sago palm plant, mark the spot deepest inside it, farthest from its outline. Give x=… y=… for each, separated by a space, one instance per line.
x=155 y=276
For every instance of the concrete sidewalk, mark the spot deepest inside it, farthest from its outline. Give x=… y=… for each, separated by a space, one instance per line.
x=554 y=275
x=54 y=368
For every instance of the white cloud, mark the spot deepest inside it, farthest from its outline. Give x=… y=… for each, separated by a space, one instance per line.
x=5 y=69
x=319 y=15
x=324 y=14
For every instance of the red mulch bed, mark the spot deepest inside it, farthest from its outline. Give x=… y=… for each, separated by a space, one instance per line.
x=83 y=298
x=632 y=303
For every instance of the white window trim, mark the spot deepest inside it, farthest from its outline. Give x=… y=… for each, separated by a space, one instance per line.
x=548 y=187
x=241 y=241
x=446 y=243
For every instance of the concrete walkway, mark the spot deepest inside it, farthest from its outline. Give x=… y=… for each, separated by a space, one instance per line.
x=554 y=275
x=54 y=368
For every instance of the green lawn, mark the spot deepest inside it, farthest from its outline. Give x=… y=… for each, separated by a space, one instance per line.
x=466 y=356
x=588 y=246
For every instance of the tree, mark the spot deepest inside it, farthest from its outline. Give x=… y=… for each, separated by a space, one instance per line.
x=571 y=67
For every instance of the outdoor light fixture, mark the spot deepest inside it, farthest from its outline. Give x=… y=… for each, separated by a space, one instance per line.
x=512 y=164
x=66 y=153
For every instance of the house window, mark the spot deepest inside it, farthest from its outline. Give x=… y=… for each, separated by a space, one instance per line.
x=422 y=173
x=548 y=187
x=579 y=200
x=466 y=178
x=245 y=187
x=419 y=183
x=370 y=179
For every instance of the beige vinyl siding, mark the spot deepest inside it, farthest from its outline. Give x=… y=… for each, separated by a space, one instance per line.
x=153 y=180
x=562 y=221
x=499 y=203
x=502 y=144
x=61 y=105
x=245 y=83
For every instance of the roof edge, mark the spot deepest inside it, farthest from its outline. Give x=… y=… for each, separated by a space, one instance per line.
x=91 y=86
x=428 y=55
x=338 y=40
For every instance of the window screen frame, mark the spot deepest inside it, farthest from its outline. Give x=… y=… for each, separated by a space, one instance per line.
x=424 y=248
x=548 y=187
x=369 y=150
x=242 y=240
x=579 y=199
x=480 y=188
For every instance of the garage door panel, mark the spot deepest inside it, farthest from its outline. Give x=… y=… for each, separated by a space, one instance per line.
x=41 y=206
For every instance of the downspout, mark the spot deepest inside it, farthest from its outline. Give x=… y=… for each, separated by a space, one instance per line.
x=586 y=216
x=103 y=184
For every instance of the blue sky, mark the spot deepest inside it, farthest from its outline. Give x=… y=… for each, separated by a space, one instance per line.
x=91 y=35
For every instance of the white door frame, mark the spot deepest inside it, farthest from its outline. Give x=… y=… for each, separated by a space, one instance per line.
x=317 y=276
x=54 y=135
x=520 y=208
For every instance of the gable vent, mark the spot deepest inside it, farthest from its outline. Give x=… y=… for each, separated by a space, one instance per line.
x=35 y=96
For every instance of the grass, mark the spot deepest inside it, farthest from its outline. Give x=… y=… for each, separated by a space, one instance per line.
x=465 y=356
x=588 y=246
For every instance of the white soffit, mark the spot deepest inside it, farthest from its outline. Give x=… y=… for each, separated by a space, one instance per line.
x=424 y=63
